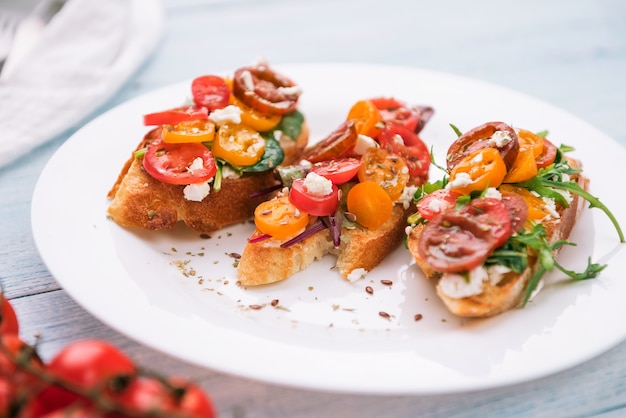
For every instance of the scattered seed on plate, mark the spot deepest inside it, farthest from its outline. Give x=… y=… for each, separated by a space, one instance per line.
x=418 y=317
x=386 y=282
x=369 y=290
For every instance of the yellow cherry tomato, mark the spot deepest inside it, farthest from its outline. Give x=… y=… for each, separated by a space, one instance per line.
x=370 y=203
x=238 y=145
x=366 y=117
x=528 y=139
x=254 y=119
x=536 y=206
x=478 y=170
x=279 y=218
x=386 y=169
x=189 y=131
x=525 y=166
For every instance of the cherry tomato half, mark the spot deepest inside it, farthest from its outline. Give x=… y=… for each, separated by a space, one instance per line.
x=437 y=202
x=370 y=204
x=482 y=137
x=548 y=154
x=255 y=119
x=265 y=90
x=462 y=239
x=397 y=112
x=210 y=91
x=314 y=204
x=340 y=142
x=367 y=119
x=280 y=218
x=338 y=171
x=173 y=163
x=176 y=115
x=192 y=131
x=478 y=170
x=405 y=143
x=386 y=169
x=239 y=145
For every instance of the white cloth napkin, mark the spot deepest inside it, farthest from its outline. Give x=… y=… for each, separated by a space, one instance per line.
x=84 y=55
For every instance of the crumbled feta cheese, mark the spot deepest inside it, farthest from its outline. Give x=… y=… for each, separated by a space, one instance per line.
x=318 y=185
x=229 y=114
x=197 y=192
x=461 y=180
x=363 y=143
x=406 y=198
x=197 y=164
x=290 y=91
x=496 y=272
x=278 y=134
x=493 y=193
x=357 y=274
x=229 y=173
x=550 y=206
x=435 y=205
x=499 y=139
x=478 y=158
x=248 y=81
x=460 y=286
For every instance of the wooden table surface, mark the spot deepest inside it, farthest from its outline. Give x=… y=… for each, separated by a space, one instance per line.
x=571 y=54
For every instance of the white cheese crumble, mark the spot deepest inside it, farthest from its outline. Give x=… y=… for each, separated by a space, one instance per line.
x=461 y=180
x=229 y=173
x=478 y=158
x=197 y=164
x=406 y=198
x=499 y=139
x=290 y=91
x=356 y=274
x=228 y=114
x=458 y=286
x=318 y=185
x=248 y=81
x=197 y=192
x=493 y=193
x=363 y=143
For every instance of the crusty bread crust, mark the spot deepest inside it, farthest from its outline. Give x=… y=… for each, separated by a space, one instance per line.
x=139 y=200
x=510 y=291
x=265 y=262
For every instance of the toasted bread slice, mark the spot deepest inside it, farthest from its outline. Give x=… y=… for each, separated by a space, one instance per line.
x=510 y=290
x=266 y=262
x=139 y=200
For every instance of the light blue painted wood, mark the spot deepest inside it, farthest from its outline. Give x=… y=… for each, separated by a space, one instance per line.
x=571 y=54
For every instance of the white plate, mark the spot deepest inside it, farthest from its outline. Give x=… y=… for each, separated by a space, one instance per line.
x=326 y=333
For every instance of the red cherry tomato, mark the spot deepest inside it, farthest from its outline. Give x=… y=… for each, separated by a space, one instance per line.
x=339 y=143
x=548 y=154
x=146 y=395
x=210 y=91
x=265 y=90
x=518 y=209
x=89 y=364
x=401 y=141
x=338 y=171
x=437 y=202
x=176 y=115
x=397 y=112
x=478 y=138
x=461 y=240
x=313 y=204
x=9 y=324
x=170 y=163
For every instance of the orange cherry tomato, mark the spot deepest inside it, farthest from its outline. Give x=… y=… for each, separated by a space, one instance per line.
x=482 y=168
x=528 y=139
x=536 y=206
x=279 y=218
x=260 y=121
x=370 y=203
x=191 y=131
x=386 y=169
x=238 y=145
x=524 y=167
x=367 y=118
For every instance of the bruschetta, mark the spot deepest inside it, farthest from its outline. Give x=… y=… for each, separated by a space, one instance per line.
x=349 y=197
x=489 y=231
x=200 y=162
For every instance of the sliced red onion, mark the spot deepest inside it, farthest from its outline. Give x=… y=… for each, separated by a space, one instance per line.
x=333 y=222
x=313 y=229
x=259 y=238
x=265 y=191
